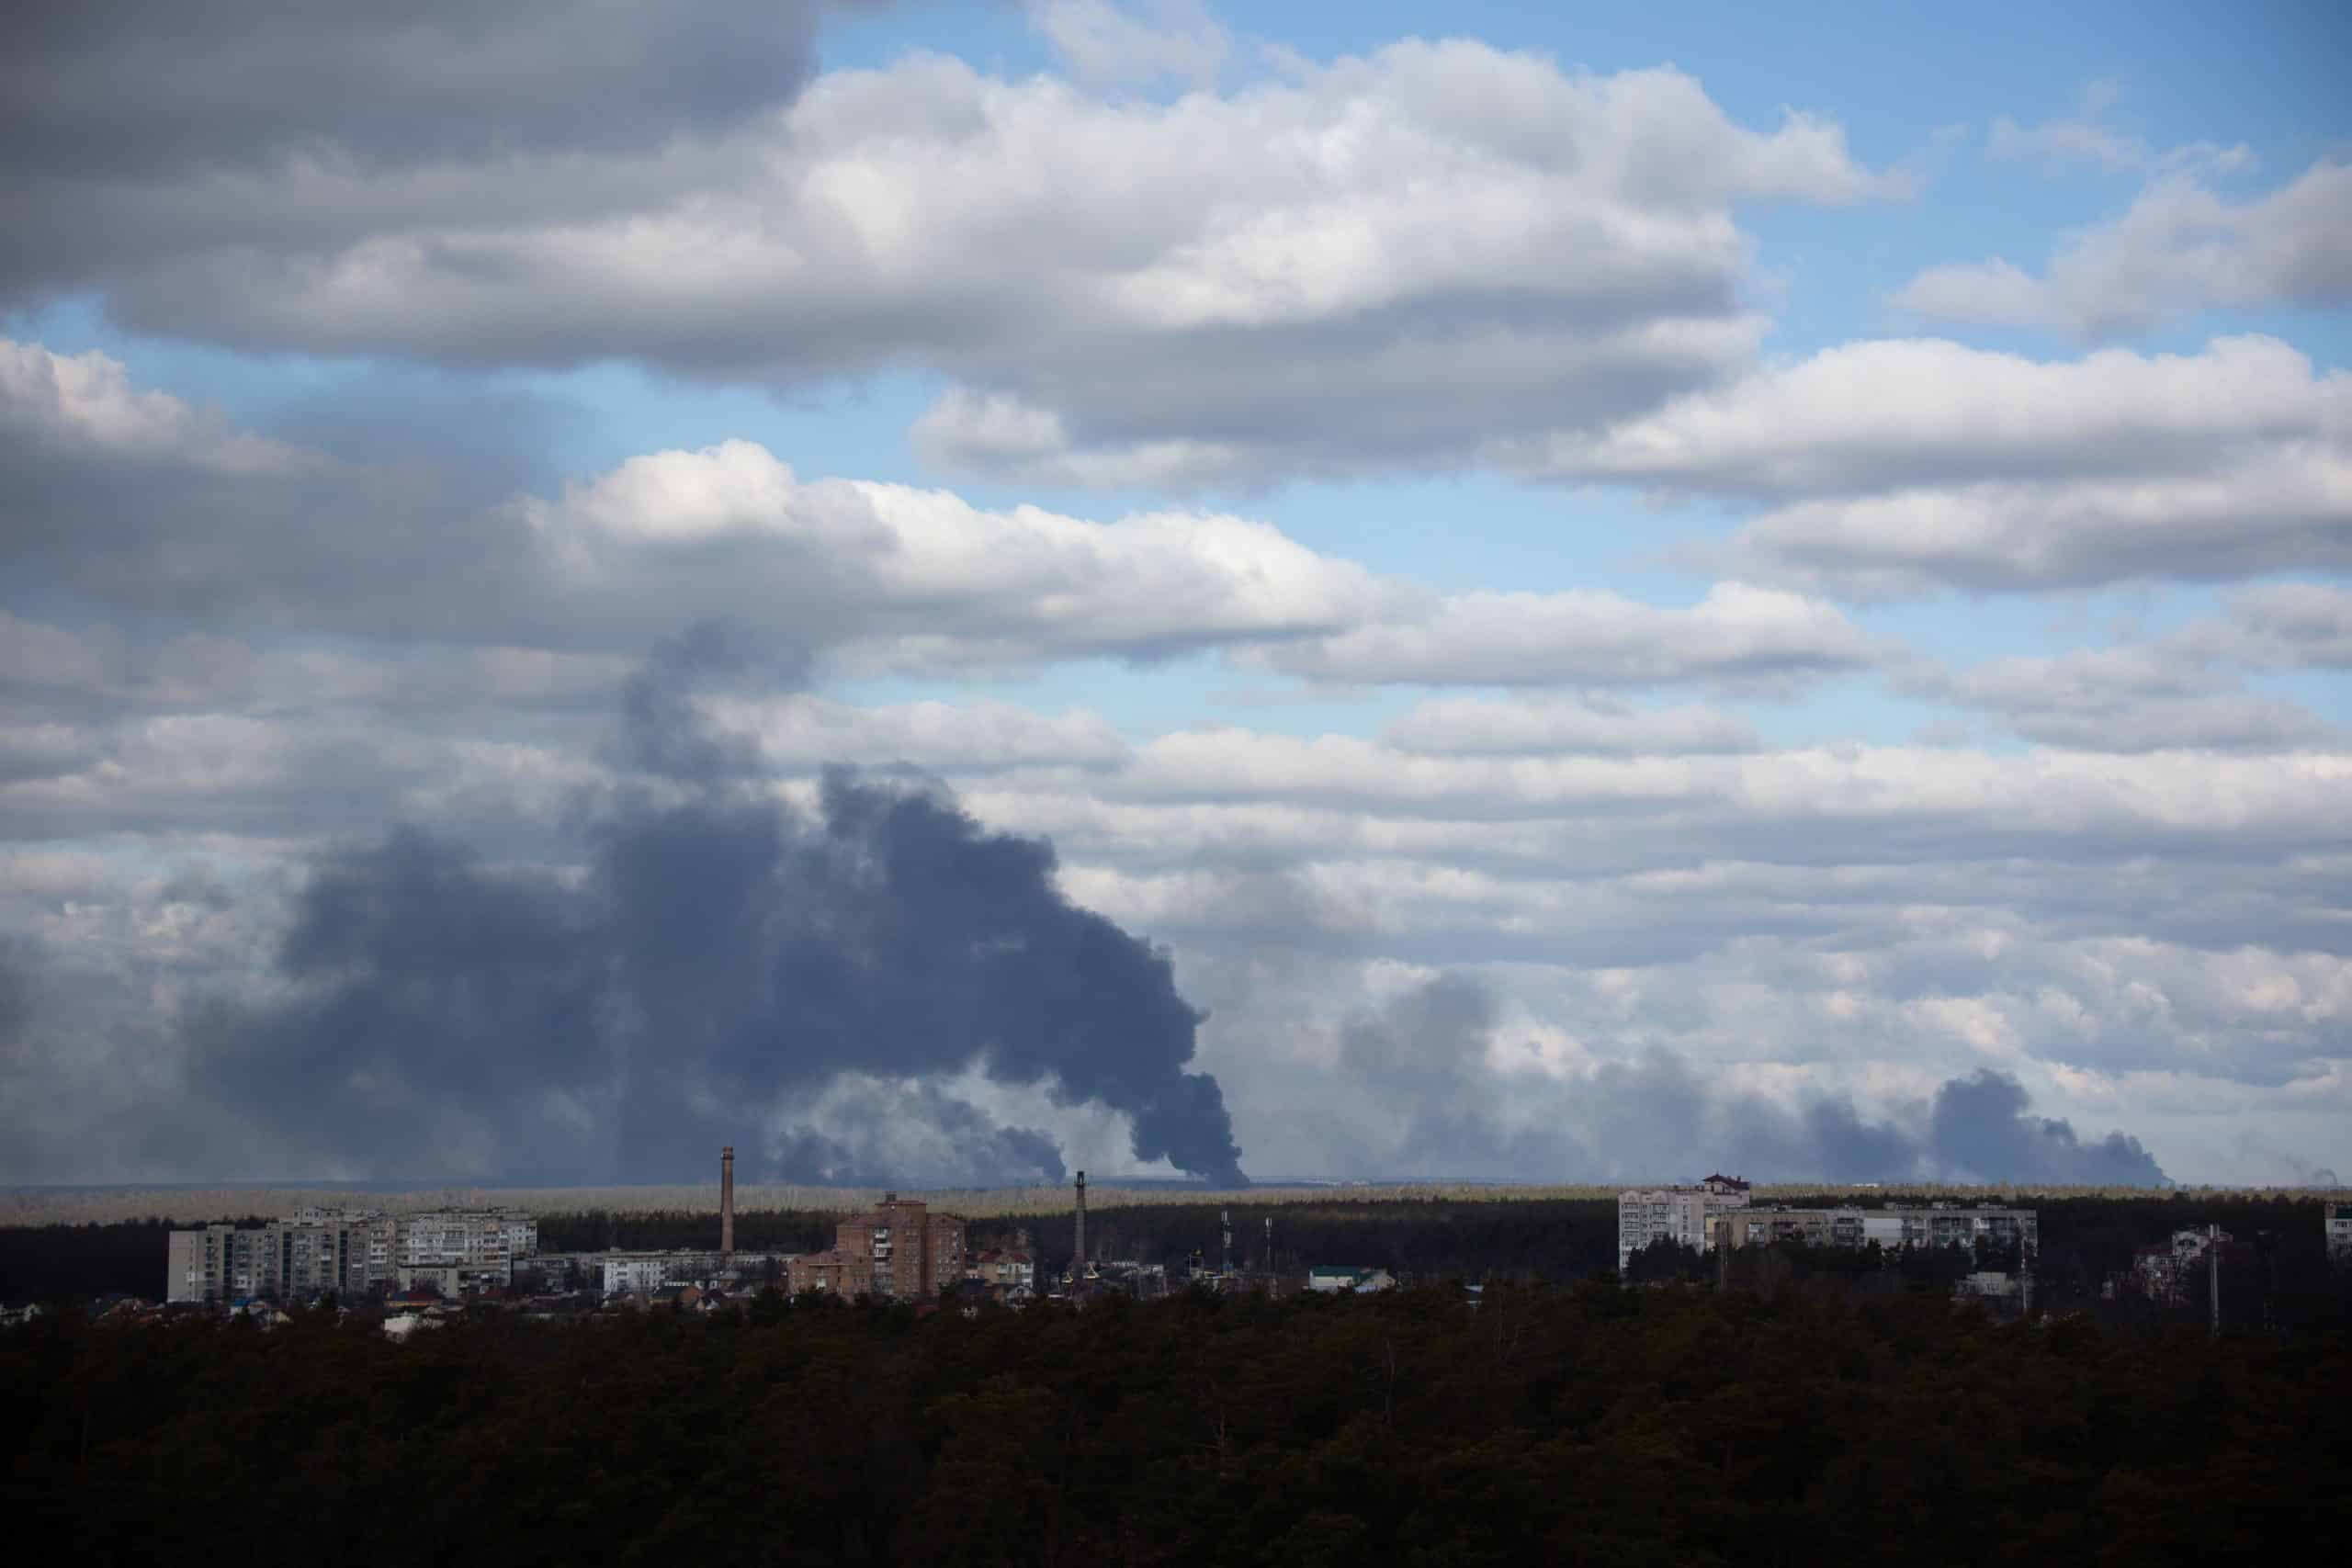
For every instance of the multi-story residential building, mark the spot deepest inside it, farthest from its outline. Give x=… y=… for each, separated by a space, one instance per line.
x=2167 y=1274
x=755 y=1268
x=1007 y=1268
x=319 y=1250
x=904 y=1246
x=944 y=1249
x=195 y=1269
x=431 y=1279
x=482 y=1243
x=549 y=1271
x=2340 y=1232
x=223 y=1263
x=902 y=1249
x=621 y=1272
x=634 y=1273
x=1683 y=1214
x=836 y=1271
x=1933 y=1225
x=382 y=1236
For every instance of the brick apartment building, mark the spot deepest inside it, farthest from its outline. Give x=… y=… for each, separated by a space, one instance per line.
x=834 y=1272
x=901 y=1250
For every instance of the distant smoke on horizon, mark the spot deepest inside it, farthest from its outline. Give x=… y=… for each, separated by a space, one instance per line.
x=1656 y=1116
x=843 y=990
x=726 y=967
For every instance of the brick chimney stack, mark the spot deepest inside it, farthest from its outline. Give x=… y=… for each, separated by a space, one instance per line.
x=1078 y=1266
x=727 y=1202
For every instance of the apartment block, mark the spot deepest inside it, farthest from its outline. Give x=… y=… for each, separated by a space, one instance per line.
x=481 y=1243
x=1682 y=1214
x=634 y=1273
x=837 y=1272
x=290 y=1258
x=1005 y=1269
x=319 y=1250
x=902 y=1249
x=2169 y=1274
x=1931 y=1225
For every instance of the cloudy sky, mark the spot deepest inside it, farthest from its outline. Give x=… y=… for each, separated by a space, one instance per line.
x=947 y=592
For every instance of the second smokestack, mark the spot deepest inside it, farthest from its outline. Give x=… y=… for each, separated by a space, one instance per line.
x=1078 y=1268
x=727 y=1202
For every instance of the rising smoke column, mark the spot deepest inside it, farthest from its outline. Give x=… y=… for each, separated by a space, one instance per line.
x=889 y=934
x=725 y=958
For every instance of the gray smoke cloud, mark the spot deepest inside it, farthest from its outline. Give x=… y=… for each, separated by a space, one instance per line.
x=1657 y=1116
x=721 y=962
x=1977 y=1128
x=881 y=1133
x=15 y=1003
x=1980 y=1126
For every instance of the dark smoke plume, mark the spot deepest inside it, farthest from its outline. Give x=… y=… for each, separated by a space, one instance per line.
x=1980 y=1127
x=724 y=960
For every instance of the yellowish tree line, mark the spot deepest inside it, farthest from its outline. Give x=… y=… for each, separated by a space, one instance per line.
x=37 y=1207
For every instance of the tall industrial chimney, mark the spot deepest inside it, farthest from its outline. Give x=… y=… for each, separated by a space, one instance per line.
x=1267 y=1264
x=1224 y=1233
x=1078 y=1264
x=727 y=1202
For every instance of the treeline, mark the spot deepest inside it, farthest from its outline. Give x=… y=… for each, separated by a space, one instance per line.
x=600 y=1230
x=2286 y=1287
x=2083 y=1238
x=2099 y=1231
x=1600 y=1424
x=1559 y=1239
x=1544 y=1239
x=52 y=1263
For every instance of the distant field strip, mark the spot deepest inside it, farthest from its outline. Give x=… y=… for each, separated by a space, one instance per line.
x=35 y=1206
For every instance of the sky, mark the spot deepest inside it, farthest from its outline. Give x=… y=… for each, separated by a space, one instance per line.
x=949 y=593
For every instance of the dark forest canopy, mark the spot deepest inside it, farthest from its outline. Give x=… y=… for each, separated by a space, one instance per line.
x=1598 y=1424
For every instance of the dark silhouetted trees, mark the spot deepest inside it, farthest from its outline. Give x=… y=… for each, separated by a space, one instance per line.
x=1593 y=1424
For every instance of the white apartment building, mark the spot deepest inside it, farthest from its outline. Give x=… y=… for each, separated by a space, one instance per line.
x=318 y=1249
x=631 y=1273
x=286 y=1257
x=1930 y=1224
x=2340 y=1232
x=483 y=1242
x=1683 y=1214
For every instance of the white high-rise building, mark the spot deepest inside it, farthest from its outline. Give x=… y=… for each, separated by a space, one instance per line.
x=1684 y=1214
